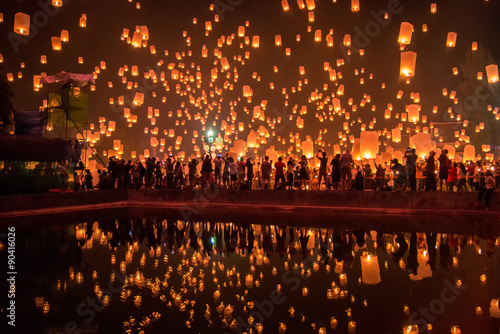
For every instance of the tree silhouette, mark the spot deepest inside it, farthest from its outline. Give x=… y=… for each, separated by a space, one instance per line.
x=479 y=98
x=6 y=106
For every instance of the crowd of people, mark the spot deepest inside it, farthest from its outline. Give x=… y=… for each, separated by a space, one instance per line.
x=341 y=172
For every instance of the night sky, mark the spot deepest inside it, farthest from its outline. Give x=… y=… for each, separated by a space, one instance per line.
x=167 y=20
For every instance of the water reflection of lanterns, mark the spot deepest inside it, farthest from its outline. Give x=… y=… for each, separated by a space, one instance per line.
x=333 y=323
x=46 y=308
x=282 y=328
x=351 y=327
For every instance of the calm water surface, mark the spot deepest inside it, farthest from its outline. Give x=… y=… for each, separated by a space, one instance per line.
x=171 y=276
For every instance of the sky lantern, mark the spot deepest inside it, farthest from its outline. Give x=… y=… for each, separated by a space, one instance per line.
x=255 y=41
x=277 y=40
x=310 y=4
x=83 y=21
x=433 y=8
x=317 y=35
x=308 y=148
x=57 y=3
x=474 y=46
x=396 y=135
x=405 y=32
x=310 y=16
x=354 y=5
x=138 y=99
x=56 y=43
x=407 y=67
x=414 y=113
x=22 y=24
x=451 y=39
x=469 y=153
x=492 y=73
x=347 y=40
x=284 y=4
x=368 y=148
x=64 y=36
x=241 y=31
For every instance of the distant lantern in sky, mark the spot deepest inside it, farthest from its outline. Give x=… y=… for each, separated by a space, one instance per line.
x=277 y=40
x=255 y=41
x=285 y=5
x=64 y=36
x=492 y=73
x=354 y=5
x=408 y=59
x=56 y=43
x=433 y=8
x=22 y=24
x=474 y=46
x=57 y=3
x=452 y=39
x=310 y=4
x=317 y=35
x=405 y=32
x=347 y=40
x=414 y=113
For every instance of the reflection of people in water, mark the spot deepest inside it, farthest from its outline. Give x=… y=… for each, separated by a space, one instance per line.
x=444 y=252
x=304 y=240
x=193 y=238
x=360 y=238
x=323 y=245
x=412 y=255
x=337 y=245
x=347 y=246
x=267 y=241
x=403 y=247
x=206 y=237
x=291 y=240
x=280 y=241
x=431 y=248
x=251 y=239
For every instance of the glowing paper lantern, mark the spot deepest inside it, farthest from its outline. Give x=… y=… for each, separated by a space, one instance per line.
x=368 y=144
x=308 y=148
x=57 y=3
x=414 y=113
x=354 y=5
x=370 y=269
x=492 y=73
x=407 y=67
x=451 y=39
x=284 y=4
x=64 y=36
x=421 y=142
x=56 y=43
x=396 y=135
x=138 y=99
x=469 y=153
x=310 y=4
x=277 y=40
x=255 y=41
x=347 y=40
x=433 y=8
x=405 y=32
x=22 y=24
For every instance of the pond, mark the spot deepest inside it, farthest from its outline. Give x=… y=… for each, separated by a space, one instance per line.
x=170 y=276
